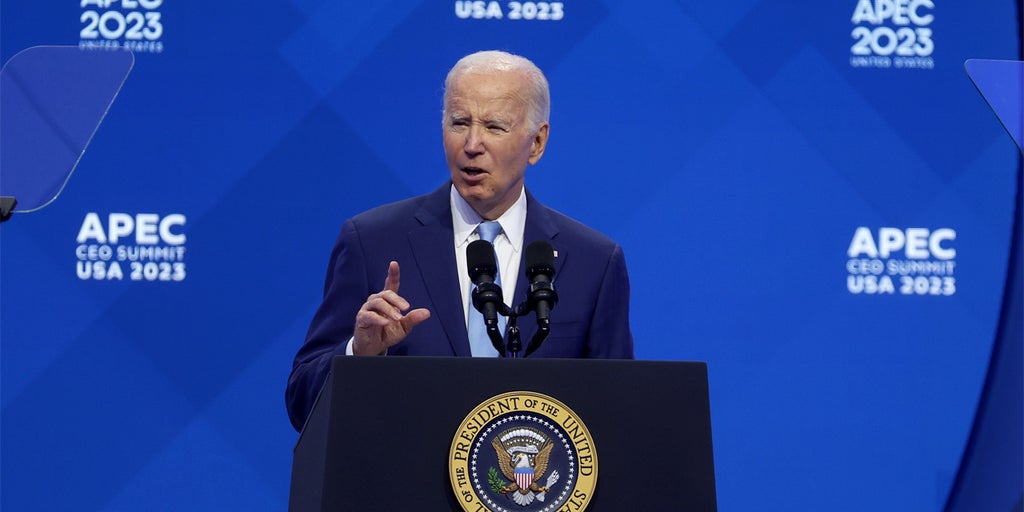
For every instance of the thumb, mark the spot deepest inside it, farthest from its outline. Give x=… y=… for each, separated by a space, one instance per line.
x=414 y=318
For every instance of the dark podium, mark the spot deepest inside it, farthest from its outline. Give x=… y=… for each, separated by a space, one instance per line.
x=380 y=433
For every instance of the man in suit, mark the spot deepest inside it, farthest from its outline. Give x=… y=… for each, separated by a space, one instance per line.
x=495 y=124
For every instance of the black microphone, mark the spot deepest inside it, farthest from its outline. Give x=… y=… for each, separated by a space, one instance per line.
x=481 y=262
x=540 y=269
x=487 y=298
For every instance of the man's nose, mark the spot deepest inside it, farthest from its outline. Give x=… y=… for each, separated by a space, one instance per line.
x=474 y=140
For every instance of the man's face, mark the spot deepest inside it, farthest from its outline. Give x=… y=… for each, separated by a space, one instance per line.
x=487 y=139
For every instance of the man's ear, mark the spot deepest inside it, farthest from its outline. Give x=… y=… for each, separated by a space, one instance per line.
x=540 y=142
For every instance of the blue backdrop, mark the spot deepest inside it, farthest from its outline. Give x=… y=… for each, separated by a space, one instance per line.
x=840 y=200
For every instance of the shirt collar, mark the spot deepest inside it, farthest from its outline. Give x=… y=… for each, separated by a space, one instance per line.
x=465 y=220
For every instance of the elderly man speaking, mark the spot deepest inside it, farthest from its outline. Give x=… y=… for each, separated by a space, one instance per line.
x=494 y=125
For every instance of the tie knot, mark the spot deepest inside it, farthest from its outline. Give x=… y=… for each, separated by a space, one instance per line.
x=488 y=230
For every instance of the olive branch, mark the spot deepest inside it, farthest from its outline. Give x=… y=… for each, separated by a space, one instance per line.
x=496 y=482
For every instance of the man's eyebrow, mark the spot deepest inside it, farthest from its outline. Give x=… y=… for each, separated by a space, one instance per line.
x=498 y=120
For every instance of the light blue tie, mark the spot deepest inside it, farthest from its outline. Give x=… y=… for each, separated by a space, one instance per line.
x=479 y=343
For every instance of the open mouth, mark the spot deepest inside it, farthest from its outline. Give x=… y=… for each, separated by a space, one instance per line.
x=473 y=171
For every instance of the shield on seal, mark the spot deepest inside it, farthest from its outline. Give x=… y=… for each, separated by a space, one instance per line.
x=524 y=477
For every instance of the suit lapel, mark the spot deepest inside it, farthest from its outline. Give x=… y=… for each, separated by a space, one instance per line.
x=432 y=246
x=539 y=226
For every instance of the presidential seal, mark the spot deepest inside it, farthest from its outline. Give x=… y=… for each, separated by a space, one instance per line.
x=523 y=452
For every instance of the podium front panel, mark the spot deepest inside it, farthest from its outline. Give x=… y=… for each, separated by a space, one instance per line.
x=380 y=433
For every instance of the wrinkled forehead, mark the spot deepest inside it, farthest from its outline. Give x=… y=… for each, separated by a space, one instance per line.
x=504 y=90
x=492 y=86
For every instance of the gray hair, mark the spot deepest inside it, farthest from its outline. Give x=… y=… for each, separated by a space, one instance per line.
x=539 y=100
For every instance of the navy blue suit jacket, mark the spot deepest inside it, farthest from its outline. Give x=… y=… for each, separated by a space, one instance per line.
x=591 y=318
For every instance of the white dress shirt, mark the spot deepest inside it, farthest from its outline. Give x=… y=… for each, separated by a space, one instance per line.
x=508 y=245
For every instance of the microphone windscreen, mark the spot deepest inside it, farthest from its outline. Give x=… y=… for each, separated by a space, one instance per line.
x=480 y=260
x=540 y=259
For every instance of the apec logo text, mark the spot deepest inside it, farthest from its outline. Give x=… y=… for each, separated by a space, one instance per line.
x=893 y=34
x=919 y=260
x=112 y=24
x=529 y=11
x=148 y=246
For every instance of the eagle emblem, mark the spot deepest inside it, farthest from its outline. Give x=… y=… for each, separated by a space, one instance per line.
x=523 y=454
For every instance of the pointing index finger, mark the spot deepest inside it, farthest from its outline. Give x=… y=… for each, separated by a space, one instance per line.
x=393 y=280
